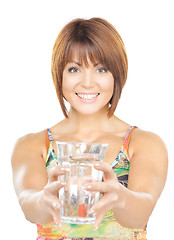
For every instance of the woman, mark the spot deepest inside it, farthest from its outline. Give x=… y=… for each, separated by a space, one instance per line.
x=89 y=69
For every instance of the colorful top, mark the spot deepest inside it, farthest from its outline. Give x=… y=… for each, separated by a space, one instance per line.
x=109 y=227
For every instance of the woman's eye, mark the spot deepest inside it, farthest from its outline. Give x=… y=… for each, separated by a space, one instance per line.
x=72 y=69
x=102 y=70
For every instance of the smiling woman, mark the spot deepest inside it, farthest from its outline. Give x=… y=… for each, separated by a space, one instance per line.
x=97 y=40
x=91 y=85
x=89 y=70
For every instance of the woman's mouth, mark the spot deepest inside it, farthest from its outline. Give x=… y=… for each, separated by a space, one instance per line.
x=87 y=97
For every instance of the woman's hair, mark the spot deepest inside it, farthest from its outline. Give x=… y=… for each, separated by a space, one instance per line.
x=97 y=39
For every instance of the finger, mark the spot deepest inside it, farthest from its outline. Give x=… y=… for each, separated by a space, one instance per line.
x=56 y=213
x=55 y=206
x=53 y=187
x=107 y=170
x=54 y=172
x=108 y=186
x=101 y=208
x=99 y=218
x=105 y=204
x=99 y=215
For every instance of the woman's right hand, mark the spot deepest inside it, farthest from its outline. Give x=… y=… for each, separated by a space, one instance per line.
x=49 y=202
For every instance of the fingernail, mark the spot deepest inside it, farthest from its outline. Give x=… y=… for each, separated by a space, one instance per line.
x=95 y=227
x=59 y=224
x=61 y=182
x=96 y=164
x=64 y=169
x=86 y=187
x=54 y=205
x=91 y=211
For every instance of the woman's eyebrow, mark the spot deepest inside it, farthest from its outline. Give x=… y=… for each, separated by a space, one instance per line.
x=81 y=64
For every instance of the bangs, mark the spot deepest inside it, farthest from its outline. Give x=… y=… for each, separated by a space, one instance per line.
x=82 y=51
x=96 y=41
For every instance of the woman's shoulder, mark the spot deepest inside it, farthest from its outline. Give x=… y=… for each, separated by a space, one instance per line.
x=143 y=137
x=34 y=143
x=148 y=144
x=31 y=139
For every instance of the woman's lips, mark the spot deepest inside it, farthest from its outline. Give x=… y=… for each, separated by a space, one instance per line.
x=88 y=100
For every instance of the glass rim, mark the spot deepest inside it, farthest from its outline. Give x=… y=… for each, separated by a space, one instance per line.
x=82 y=143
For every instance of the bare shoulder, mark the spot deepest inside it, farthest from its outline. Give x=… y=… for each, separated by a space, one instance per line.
x=32 y=143
x=148 y=141
x=148 y=150
x=148 y=163
x=28 y=163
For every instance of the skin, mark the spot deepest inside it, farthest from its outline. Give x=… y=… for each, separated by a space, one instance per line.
x=37 y=190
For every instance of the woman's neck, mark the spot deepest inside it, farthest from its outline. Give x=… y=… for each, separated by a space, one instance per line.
x=83 y=124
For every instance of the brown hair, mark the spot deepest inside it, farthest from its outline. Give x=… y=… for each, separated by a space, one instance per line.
x=94 y=38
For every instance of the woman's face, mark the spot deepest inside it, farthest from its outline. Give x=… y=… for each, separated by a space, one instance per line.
x=88 y=90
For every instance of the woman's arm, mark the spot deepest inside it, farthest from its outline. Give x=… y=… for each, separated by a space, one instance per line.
x=133 y=206
x=36 y=190
x=147 y=176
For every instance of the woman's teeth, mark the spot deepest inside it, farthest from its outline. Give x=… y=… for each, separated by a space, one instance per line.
x=87 y=96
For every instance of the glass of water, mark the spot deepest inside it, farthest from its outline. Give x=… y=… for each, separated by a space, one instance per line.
x=79 y=159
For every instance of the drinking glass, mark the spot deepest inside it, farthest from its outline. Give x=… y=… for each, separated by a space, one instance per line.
x=79 y=159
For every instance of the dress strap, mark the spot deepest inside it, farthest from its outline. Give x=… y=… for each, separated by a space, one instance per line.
x=128 y=137
x=48 y=138
x=49 y=134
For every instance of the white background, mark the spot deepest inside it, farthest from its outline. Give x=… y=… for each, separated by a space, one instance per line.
x=28 y=99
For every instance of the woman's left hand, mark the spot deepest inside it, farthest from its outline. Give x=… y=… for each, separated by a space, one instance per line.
x=110 y=187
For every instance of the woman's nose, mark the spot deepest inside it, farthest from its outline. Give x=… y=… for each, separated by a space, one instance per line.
x=88 y=79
